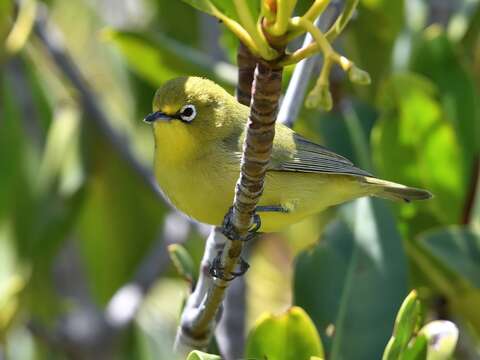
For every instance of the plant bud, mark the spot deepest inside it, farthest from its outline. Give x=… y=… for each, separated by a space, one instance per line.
x=320 y=97
x=359 y=76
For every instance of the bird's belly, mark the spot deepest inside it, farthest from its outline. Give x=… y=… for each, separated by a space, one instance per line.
x=304 y=194
x=204 y=195
x=207 y=195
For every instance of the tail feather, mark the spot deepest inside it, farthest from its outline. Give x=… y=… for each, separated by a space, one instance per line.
x=393 y=191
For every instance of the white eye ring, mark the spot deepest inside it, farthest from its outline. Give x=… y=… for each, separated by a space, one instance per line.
x=188 y=113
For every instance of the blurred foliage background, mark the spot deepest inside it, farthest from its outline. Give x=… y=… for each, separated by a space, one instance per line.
x=84 y=270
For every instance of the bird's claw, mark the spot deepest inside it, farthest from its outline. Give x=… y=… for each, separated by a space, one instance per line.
x=230 y=232
x=217 y=270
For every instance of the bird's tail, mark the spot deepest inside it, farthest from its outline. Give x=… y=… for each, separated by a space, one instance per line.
x=393 y=191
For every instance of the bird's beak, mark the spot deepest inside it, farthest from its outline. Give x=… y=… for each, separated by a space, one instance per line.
x=157 y=115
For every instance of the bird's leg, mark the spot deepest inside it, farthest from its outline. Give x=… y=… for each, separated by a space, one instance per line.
x=216 y=269
x=272 y=208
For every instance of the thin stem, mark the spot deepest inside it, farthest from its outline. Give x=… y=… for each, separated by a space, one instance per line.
x=316 y=9
x=261 y=45
x=331 y=34
x=321 y=43
x=318 y=36
x=240 y=32
x=297 y=87
x=284 y=11
x=300 y=54
x=22 y=27
x=342 y=20
x=323 y=80
x=51 y=38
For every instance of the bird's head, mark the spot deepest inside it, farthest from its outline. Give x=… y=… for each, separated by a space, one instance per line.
x=193 y=110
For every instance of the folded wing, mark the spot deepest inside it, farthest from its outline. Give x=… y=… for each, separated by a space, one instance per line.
x=298 y=154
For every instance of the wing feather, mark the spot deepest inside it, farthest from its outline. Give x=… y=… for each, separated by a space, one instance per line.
x=309 y=157
x=294 y=153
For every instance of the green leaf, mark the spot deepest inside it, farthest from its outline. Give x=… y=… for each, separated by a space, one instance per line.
x=417 y=349
x=415 y=144
x=359 y=281
x=200 y=355
x=407 y=319
x=290 y=336
x=458 y=248
x=182 y=261
x=205 y=6
x=436 y=58
x=450 y=259
x=159 y=59
x=61 y=142
x=12 y=146
x=6 y=8
x=114 y=235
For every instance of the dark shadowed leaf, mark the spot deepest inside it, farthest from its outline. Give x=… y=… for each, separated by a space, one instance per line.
x=353 y=281
x=120 y=219
x=161 y=59
x=450 y=258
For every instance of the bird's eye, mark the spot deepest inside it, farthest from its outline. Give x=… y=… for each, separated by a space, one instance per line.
x=188 y=113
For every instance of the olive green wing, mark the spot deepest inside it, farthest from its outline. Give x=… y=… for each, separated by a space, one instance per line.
x=292 y=152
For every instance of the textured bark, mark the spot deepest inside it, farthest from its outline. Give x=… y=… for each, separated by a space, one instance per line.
x=246 y=66
x=257 y=147
x=231 y=330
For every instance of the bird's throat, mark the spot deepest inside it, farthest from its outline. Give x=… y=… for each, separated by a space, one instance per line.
x=174 y=143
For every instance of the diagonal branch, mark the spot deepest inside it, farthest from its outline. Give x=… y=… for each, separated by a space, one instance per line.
x=199 y=319
x=231 y=330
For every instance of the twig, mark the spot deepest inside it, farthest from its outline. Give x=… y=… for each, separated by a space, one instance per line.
x=230 y=332
x=187 y=340
x=297 y=87
x=124 y=304
x=51 y=38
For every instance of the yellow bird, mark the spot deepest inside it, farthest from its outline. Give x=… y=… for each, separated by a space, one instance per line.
x=199 y=129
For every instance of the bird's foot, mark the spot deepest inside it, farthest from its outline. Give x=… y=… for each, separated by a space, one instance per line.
x=230 y=232
x=217 y=270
